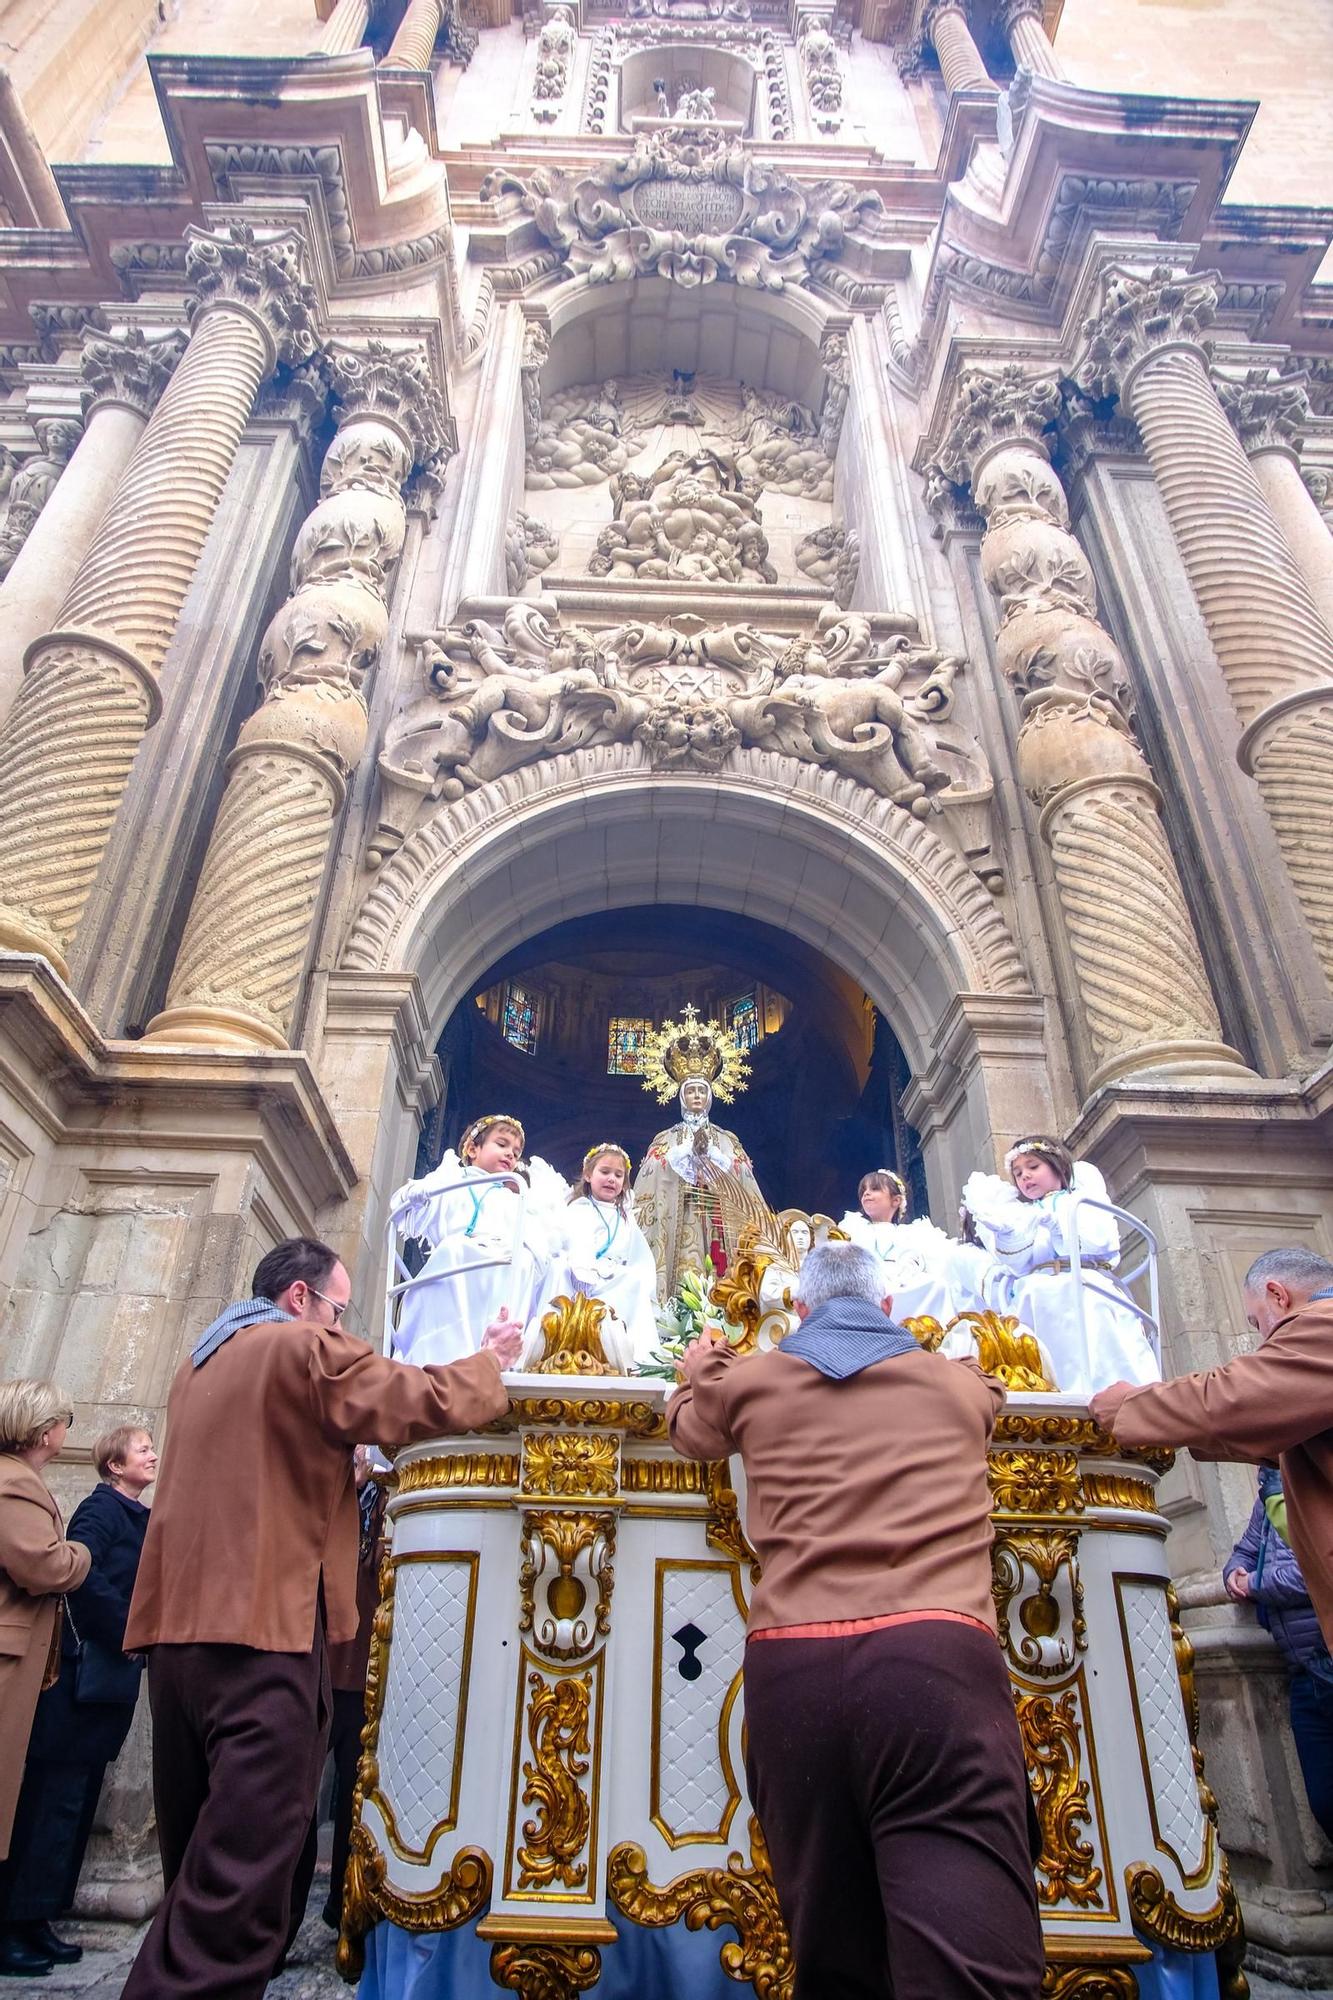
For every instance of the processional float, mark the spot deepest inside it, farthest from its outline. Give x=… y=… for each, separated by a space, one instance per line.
x=552 y=1793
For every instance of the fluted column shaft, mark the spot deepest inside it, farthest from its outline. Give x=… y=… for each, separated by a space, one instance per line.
x=959 y=57
x=1274 y=649
x=1278 y=471
x=91 y=687
x=345 y=28
x=1031 y=45
x=414 y=44
x=238 y=973
x=124 y=378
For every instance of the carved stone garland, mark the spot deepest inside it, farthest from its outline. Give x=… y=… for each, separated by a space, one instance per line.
x=1140 y=977
x=91 y=689
x=1274 y=649
x=238 y=971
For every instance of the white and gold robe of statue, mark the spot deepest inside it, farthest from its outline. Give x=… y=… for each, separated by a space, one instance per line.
x=678 y=1211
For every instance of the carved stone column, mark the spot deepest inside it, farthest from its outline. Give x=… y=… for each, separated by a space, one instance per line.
x=1140 y=977
x=1275 y=650
x=123 y=379
x=414 y=43
x=239 y=968
x=345 y=28
x=34 y=483
x=1023 y=22
x=945 y=22
x=91 y=687
x=1268 y=414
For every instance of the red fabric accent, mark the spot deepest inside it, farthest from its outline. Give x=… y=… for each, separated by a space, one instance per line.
x=847 y=1628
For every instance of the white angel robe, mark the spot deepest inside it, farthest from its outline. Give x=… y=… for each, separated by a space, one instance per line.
x=605 y=1255
x=446 y=1318
x=915 y=1258
x=1104 y=1343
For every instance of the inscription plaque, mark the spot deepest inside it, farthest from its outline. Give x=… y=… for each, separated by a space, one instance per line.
x=696 y=208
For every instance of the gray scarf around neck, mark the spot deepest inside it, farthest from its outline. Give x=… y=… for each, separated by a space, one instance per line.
x=844 y=1336
x=244 y=1312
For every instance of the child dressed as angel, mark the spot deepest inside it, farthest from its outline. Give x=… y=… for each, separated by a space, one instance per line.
x=492 y=1227
x=605 y=1255
x=916 y=1258
x=1027 y=1224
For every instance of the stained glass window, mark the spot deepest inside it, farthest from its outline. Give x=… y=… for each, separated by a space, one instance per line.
x=625 y=1045
x=518 y=1018
x=743 y=1020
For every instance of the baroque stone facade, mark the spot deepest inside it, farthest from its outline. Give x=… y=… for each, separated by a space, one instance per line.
x=833 y=461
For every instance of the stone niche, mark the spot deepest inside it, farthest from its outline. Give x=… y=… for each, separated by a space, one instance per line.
x=682 y=67
x=672 y=393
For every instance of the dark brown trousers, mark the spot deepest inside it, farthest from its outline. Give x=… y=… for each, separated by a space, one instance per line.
x=887 y=1773
x=238 y=1746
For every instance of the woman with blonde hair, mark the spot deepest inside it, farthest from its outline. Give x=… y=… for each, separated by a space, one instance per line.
x=37 y=1564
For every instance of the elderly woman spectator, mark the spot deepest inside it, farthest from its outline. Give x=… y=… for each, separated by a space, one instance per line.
x=1262 y=1571
x=36 y=1565
x=82 y=1722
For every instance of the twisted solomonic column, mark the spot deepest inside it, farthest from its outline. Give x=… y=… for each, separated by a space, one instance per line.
x=345 y=28
x=1269 y=414
x=961 y=65
x=414 y=43
x=123 y=378
x=1140 y=977
x=1274 y=649
x=239 y=968
x=91 y=686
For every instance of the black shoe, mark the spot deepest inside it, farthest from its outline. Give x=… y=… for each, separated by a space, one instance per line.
x=21 y=1960
x=59 y=1950
x=332 y=1915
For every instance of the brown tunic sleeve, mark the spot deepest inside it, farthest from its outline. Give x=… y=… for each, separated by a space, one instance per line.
x=1254 y=1408
x=696 y=1415
x=358 y=1395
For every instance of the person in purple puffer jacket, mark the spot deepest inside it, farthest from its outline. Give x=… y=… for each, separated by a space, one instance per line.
x=1262 y=1570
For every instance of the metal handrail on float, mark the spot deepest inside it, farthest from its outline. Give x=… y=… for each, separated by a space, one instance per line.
x=408 y=1281
x=1123 y=1278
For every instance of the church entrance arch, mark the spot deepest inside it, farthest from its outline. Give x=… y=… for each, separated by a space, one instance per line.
x=875 y=890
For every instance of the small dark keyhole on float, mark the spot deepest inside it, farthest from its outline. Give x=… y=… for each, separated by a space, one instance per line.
x=689 y=1639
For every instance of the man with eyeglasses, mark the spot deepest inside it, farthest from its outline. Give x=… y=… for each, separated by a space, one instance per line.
x=248 y=1569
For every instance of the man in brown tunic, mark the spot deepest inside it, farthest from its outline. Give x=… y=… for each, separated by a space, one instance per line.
x=884 y=1760
x=1275 y=1405
x=248 y=1568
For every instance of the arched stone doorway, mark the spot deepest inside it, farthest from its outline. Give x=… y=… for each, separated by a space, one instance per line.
x=876 y=891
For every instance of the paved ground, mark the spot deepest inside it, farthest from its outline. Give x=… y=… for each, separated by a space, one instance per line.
x=108 y=1953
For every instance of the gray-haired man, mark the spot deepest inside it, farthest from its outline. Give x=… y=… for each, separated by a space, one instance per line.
x=1273 y=1405
x=884 y=1759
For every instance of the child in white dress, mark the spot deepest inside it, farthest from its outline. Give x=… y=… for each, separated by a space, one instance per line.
x=605 y=1254
x=1027 y=1224
x=914 y=1256
x=490 y=1244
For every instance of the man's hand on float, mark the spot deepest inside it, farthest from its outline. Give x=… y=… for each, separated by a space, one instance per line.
x=504 y=1337
x=693 y=1356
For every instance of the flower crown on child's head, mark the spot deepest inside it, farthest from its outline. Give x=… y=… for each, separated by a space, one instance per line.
x=595 y=1153
x=479 y=1127
x=1050 y=1150
x=880 y=1174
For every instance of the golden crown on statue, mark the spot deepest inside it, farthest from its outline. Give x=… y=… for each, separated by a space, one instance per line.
x=690 y=1047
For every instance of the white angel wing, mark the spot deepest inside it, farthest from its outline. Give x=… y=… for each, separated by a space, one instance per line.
x=418 y=1192
x=548 y=1191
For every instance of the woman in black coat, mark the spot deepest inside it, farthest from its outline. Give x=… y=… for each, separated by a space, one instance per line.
x=81 y=1722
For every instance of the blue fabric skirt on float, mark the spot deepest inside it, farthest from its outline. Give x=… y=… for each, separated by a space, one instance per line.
x=671 y=1963
x=668 y=1964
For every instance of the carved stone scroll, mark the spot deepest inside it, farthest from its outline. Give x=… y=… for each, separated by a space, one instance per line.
x=1140 y=977
x=238 y=971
